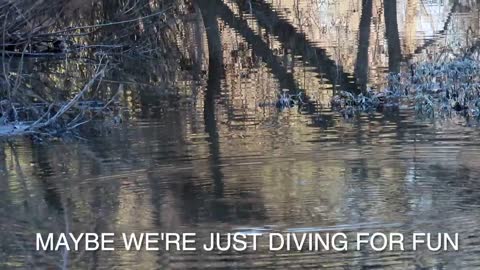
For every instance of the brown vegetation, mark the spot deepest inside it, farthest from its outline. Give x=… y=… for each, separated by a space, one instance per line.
x=74 y=39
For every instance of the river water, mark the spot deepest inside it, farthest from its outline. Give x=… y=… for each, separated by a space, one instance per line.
x=229 y=163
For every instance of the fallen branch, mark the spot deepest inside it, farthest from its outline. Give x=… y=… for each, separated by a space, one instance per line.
x=72 y=102
x=44 y=124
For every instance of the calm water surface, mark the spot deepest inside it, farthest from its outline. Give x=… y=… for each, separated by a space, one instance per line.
x=223 y=163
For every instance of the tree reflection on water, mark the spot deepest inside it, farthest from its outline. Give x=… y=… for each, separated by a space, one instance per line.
x=198 y=154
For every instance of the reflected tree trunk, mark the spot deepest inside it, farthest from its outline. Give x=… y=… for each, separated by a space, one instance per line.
x=410 y=25
x=215 y=52
x=209 y=113
x=210 y=12
x=391 y=28
x=43 y=171
x=4 y=185
x=361 y=66
x=215 y=72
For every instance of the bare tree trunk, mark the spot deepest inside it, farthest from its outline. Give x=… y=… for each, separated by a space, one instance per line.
x=198 y=48
x=391 y=28
x=361 y=65
x=215 y=52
